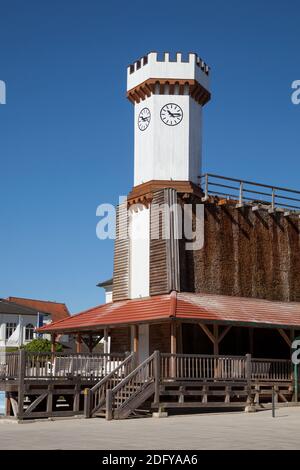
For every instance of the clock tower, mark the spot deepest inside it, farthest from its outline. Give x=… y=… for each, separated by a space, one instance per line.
x=168 y=96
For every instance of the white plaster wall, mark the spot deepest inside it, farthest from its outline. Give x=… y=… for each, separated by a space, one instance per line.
x=164 y=152
x=139 y=226
x=7 y=318
x=167 y=69
x=108 y=295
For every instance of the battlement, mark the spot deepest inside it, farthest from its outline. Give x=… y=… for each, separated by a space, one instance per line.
x=163 y=66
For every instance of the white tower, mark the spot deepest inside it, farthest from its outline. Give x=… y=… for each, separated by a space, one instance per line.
x=168 y=97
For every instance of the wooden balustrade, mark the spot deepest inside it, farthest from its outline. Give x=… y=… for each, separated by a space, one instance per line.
x=96 y=396
x=51 y=366
x=202 y=367
x=133 y=386
x=9 y=365
x=280 y=370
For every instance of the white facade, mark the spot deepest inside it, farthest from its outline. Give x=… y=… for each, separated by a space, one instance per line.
x=16 y=330
x=193 y=68
x=166 y=150
x=139 y=263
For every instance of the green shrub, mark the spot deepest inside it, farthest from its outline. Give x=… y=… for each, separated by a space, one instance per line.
x=41 y=345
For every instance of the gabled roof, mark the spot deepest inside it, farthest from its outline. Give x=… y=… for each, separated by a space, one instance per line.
x=7 y=307
x=56 y=310
x=185 y=307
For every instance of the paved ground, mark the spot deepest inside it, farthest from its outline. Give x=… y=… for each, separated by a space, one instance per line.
x=202 y=431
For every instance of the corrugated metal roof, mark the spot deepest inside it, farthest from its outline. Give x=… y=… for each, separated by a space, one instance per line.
x=184 y=306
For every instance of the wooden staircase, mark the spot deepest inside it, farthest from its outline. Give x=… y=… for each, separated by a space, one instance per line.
x=120 y=395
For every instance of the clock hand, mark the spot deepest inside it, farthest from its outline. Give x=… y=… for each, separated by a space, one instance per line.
x=174 y=114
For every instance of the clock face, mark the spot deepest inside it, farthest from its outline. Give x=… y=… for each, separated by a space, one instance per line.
x=144 y=119
x=171 y=114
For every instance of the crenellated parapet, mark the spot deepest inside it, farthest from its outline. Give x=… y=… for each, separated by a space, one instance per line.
x=166 y=75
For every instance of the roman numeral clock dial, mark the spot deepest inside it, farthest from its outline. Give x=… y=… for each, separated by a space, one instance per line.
x=144 y=119
x=171 y=114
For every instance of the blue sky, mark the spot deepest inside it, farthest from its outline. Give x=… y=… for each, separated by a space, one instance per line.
x=66 y=132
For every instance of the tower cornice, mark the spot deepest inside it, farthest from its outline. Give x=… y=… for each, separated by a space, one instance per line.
x=169 y=86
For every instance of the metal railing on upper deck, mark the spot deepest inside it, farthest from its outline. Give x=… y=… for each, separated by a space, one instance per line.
x=248 y=192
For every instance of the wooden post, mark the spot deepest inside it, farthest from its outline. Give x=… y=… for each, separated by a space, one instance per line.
x=53 y=343
x=173 y=348
x=248 y=375
x=21 y=387
x=91 y=345
x=7 y=404
x=78 y=343
x=135 y=342
x=216 y=340
x=157 y=377
x=87 y=403
x=109 y=410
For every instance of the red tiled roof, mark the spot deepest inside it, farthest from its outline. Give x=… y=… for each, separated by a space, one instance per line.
x=56 y=310
x=184 y=306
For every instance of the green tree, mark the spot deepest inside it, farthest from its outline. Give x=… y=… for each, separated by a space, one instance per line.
x=41 y=345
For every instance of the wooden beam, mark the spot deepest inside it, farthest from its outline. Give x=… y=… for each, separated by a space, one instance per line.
x=35 y=403
x=285 y=336
x=207 y=332
x=78 y=343
x=224 y=333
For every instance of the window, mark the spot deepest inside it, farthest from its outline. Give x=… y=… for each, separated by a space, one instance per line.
x=10 y=328
x=29 y=330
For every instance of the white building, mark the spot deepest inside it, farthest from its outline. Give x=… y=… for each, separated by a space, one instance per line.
x=20 y=317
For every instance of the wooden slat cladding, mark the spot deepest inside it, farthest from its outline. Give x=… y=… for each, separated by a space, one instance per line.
x=121 y=255
x=164 y=256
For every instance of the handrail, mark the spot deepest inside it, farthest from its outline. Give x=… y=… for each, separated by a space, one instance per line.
x=283 y=198
x=132 y=374
x=99 y=389
x=142 y=375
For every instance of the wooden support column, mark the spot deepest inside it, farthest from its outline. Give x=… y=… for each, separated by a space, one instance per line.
x=135 y=341
x=91 y=344
x=53 y=343
x=78 y=343
x=7 y=404
x=173 y=338
x=173 y=344
x=216 y=340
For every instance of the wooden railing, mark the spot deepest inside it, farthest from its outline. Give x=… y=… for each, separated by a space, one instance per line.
x=95 y=397
x=271 y=370
x=172 y=366
x=132 y=386
x=9 y=365
x=236 y=368
x=57 y=365
x=203 y=367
